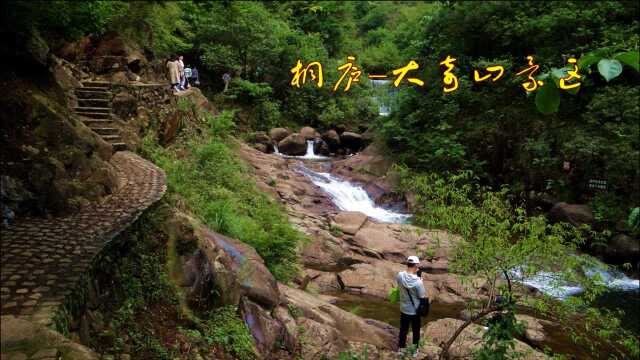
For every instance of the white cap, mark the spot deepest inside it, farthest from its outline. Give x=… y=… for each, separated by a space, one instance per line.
x=413 y=260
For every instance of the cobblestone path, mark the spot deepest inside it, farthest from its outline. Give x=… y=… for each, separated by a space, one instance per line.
x=42 y=259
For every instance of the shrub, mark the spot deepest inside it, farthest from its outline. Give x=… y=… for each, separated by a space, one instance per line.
x=218 y=188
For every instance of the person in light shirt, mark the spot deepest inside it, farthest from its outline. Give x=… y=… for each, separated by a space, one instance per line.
x=411 y=292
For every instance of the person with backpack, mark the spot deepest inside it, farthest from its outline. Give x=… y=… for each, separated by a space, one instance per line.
x=413 y=301
x=194 y=76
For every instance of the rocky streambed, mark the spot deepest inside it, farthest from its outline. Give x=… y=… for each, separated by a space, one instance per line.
x=357 y=246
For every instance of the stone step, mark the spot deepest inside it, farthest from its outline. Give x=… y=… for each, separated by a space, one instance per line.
x=92 y=94
x=98 y=84
x=105 y=130
x=93 y=109
x=97 y=123
x=94 y=102
x=119 y=146
x=95 y=88
x=111 y=138
x=94 y=115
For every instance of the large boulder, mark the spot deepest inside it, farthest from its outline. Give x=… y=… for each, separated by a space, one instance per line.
x=321 y=148
x=351 y=140
x=76 y=50
x=332 y=139
x=574 y=214
x=366 y=166
x=328 y=328
x=261 y=137
x=309 y=133
x=266 y=330
x=349 y=222
x=53 y=154
x=124 y=105
x=262 y=142
x=111 y=44
x=327 y=253
x=469 y=340
x=277 y=134
x=21 y=337
x=230 y=269
x=294 y=144
x=623 y=248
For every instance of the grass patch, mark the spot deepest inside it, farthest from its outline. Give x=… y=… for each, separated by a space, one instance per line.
x=217 y=186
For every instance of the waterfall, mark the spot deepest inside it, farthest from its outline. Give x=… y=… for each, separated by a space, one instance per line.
x=350 y=197
x=310 y=154
x=384 y=105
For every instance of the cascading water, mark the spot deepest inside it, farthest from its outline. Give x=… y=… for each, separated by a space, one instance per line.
x=350 y=197
x=383 y=100
x=310 y=155
x=550 y=283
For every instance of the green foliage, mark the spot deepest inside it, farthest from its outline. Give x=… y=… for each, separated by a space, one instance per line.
x=331 y=115
x=609 y=69
x=221 y=126
x=630 y=58
x=498 y=341
x=135 y=262
x=224 y=328
x=247 y=91
x=488 y=224
x=634 y=219
x=498 y=238
x=217 y=186
x=498 y=131
x=393 y=295
x=164 y=29
x=606 y=208
x=548 y=98
x=70 y=19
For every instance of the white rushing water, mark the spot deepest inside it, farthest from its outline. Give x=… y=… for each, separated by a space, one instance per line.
x=349 y=197
x=384 y=108
x=310 y=155
x=550 y=283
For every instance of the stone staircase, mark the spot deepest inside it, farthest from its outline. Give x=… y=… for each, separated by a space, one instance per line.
x=94 y=105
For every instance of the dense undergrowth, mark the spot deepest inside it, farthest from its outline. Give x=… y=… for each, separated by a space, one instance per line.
x=204 y=172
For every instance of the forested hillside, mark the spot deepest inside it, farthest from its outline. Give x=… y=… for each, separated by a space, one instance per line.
x=506 y=155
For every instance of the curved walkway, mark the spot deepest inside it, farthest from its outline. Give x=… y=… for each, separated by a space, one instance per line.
x=42 y=259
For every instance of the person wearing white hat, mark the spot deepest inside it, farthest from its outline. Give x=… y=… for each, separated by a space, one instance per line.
x=411 y=293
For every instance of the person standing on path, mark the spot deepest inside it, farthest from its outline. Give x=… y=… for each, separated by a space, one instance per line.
x=194 y=76
x=174 y=75
x=410 y=292
x=187 y=76
x=181 y=72
x=226 y=78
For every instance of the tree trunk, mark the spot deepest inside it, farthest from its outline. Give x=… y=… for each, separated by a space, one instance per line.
x=444 y=354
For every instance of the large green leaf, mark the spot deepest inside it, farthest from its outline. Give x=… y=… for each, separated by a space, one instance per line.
x=589 y=59
x=548 y=98
x=630 y=58
x=609 y=69
x=557 y=74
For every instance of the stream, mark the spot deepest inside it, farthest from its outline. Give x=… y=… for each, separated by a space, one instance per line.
x=348 y=196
